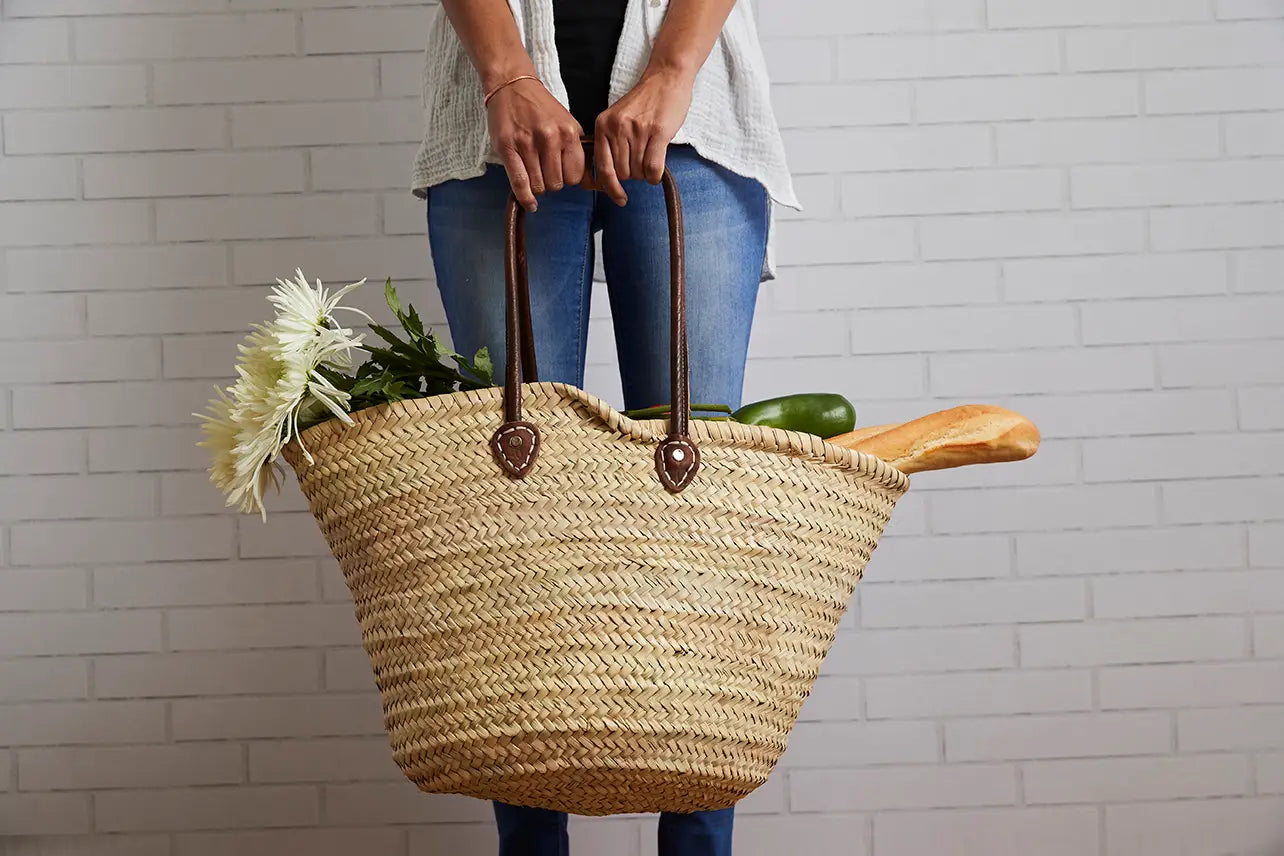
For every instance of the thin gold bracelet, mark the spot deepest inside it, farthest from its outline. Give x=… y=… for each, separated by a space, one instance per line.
x=489 y=95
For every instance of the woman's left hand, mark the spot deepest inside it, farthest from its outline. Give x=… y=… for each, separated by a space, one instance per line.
x=630 y=138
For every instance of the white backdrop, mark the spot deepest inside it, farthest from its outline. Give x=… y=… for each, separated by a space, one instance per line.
x=1071 y=207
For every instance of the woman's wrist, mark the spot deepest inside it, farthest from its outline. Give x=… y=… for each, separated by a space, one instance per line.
x=500 y=74
x=497 y=88
x=670 y=74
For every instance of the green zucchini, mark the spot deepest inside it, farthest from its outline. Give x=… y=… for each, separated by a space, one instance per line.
x=661 y=411
x=824 y=414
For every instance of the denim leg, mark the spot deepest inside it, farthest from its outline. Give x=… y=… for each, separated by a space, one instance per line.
x=466 y=234
x=700 y=833
x=725 y=220
x=528 y=831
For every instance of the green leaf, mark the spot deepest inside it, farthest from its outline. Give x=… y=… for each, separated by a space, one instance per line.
x=476 y=374
x=462 y=362
x=367 y=385
x=397 y=345
x=438 y=369
x=412 y=322
x=395 y=390
x=411 y=363
x=432 y=347
x=340 y=380
x=390 y=295
x=392 y=360
x=387 y=335
x=483 y=367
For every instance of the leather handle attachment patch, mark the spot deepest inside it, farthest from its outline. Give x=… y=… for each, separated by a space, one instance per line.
x=515 y=446
x=676 y=462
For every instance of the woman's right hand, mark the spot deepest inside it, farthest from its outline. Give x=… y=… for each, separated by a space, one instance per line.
x=537 y=139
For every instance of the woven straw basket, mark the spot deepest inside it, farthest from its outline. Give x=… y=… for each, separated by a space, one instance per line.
x=560 y=611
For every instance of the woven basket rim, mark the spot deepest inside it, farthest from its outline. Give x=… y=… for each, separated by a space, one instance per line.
x=757 y=436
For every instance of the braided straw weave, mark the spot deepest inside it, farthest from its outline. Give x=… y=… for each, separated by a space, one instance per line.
x=582 y=639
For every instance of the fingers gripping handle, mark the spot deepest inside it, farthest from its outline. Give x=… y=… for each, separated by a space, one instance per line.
x=516 y=443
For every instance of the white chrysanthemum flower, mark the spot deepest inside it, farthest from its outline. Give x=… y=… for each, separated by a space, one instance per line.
x=220 y=438
x=302 y=312
x=278 y=381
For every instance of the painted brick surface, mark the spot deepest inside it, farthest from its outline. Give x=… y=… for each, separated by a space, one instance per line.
x=1074 y=208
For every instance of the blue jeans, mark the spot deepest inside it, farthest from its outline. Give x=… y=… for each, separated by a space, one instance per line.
x=725 y=219
x=725 y=223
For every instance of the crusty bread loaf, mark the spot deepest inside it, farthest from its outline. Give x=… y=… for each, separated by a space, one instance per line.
x=852 y=438
x=970 y=434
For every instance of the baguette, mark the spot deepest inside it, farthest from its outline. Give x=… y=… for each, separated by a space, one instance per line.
x=970 y=434
x=852 y=438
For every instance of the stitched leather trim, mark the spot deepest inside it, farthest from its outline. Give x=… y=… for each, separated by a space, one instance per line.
x=676 y=471
x=516 y=459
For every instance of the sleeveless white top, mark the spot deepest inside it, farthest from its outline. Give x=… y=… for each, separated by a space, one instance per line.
x=731 y=121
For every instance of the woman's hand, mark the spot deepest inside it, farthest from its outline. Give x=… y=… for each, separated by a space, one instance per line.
x=537 y=139
x=632 y=136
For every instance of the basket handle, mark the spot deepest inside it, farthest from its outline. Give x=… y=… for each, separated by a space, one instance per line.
x=516 y=442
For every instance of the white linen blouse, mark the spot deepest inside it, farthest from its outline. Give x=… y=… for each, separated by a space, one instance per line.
x=731 y=121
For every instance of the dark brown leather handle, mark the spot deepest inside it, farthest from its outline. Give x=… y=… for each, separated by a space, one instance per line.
x=516 y=442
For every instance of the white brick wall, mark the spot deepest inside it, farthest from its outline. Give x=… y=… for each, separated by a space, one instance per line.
x=1071 y=207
